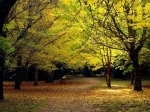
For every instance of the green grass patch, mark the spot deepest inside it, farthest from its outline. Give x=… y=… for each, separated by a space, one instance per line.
x=125 y=106
x=20 y=105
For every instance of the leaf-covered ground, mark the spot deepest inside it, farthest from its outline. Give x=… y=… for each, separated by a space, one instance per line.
x=76 y=95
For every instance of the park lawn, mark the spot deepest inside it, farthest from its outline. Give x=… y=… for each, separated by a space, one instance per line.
x=119 y=98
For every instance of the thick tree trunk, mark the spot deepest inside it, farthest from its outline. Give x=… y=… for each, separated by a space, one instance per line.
x=137 y=79
x=137 y=73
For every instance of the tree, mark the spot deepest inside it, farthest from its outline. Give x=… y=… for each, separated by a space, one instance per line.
x=124 y=23
x=24 y=19
x=5 y=7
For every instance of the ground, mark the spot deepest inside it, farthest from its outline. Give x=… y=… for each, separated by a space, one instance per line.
x=71 y=97
x=78 y=94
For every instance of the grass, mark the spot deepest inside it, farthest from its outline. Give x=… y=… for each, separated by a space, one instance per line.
x=126 y=106
x=19 y=105
x=119 y=98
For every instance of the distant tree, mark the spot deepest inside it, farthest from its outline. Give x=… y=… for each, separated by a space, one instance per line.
x=35 y=72
x=18 y=73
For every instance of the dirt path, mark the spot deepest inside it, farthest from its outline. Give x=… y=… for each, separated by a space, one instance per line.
x=70 y=97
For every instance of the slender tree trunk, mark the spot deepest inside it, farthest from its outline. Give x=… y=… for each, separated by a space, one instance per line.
x=2 y=63
x=35 y=75
x=17 y=78
x=18 y=73
x=26 y=71
x=108 y=76
x=1 y=85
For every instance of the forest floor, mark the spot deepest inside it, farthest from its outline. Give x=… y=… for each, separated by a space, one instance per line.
x=78 y=94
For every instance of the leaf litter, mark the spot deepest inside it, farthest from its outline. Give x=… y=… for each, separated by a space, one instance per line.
x=77 y=95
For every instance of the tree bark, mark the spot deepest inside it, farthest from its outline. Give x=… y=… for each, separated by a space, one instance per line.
x=108 y=74
x=26 y=71
x=132 y=77
x=137 y=81
x=108 y=79
x=2 y=63
x=17 y=78
x=136 y=69
x=1 y=85
x=49 y=78
x=18 y=73
x=35 y=75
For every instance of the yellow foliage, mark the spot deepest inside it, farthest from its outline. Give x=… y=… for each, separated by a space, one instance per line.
x=66 y=2
x=83 y=13
x=33 y=31
x=145 y=1
x=101 y=10
x=116 y=1
x=90 y=1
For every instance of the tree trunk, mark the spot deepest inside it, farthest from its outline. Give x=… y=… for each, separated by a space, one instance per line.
x=49 y=78
x=2 y=63
x=108 y=58
x=35 y=75
x=1 y=85
x=136 y=69
x=137 y=79
x=17 y=78
x=132 y=77
x=108 y=79
x=18 y=73
x=26 y=71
